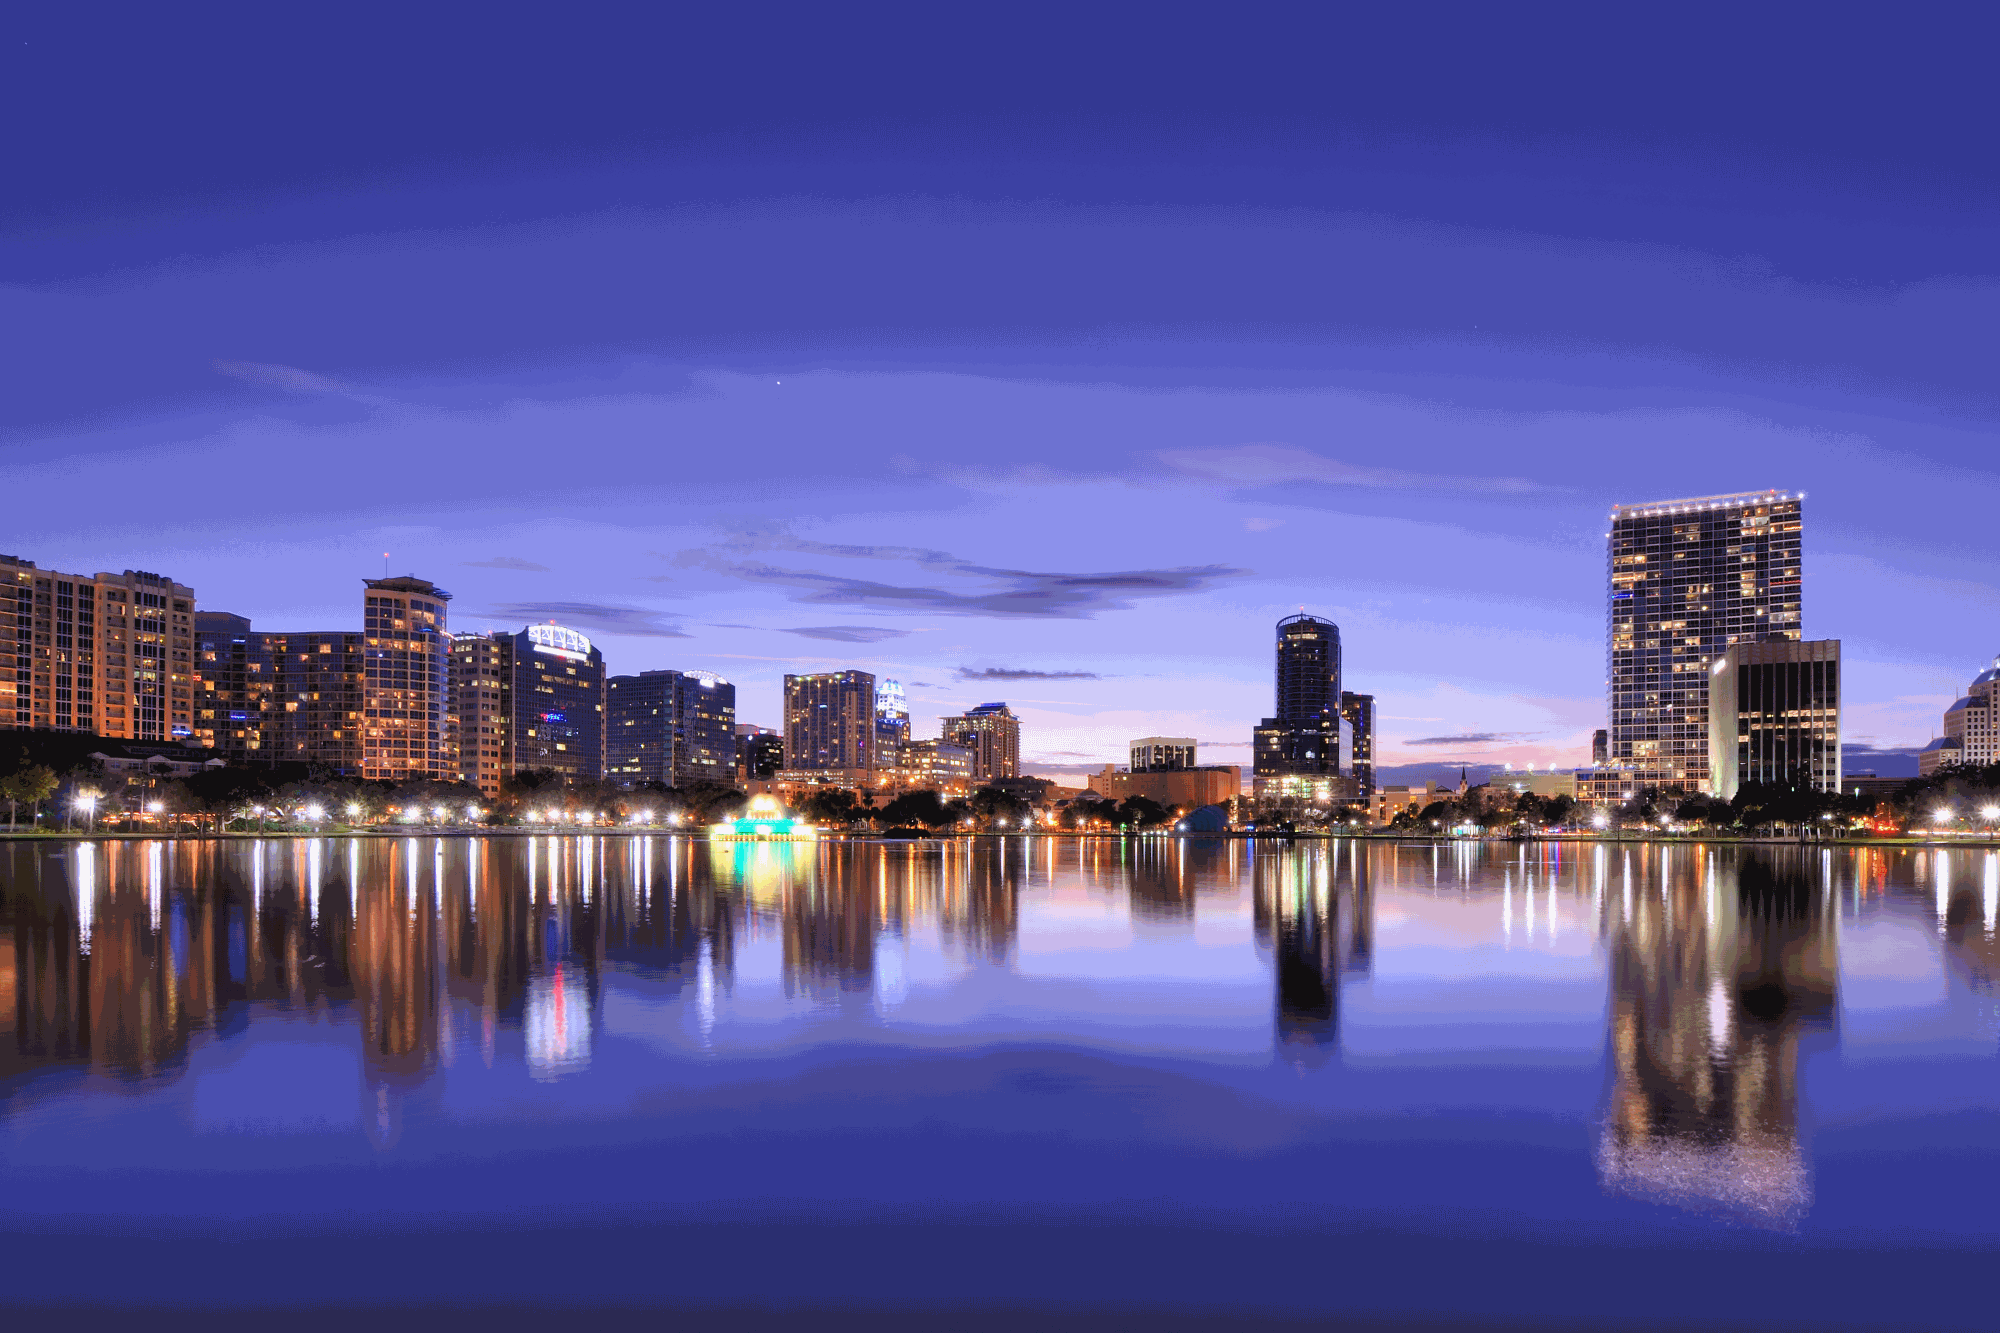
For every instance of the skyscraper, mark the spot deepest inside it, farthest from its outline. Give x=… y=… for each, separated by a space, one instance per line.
x=102 y=654
x=1357 y=714
x=405 y=681
x=830 y=720
x=993 y=734
x=1689 y=578
x=892 y=719
x=1774 y=716
x=1302 y=740
x=671 y=727
x=558 y=703
x=482 y=708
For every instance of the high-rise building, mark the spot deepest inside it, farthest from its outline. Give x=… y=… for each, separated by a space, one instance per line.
x=1600 y=746
x=1161 y=754
x=405 y=681
x=939 y=766
x=993 y=734
x=830 y=720
x=1298 y=748
x=265 y=697
x=1689 y=579
x=892 y=719
x=102 y=654
x=1774 y=715
x=760 y=752
x=1357 y=716
x=558 y=703
x=1971 y=727
x=671 y=727
x=482 y=709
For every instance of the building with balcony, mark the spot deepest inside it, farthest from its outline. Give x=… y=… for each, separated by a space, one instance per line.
x=993 y=734
x=99 y=654
x=830 y=720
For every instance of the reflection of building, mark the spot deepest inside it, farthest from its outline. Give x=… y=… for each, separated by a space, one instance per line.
x=1689 y=578
x=1162 y=754
x=405 y=678
x=672 y=727
x=993 y=734
x=1774 y=715
x=830 y=720
x=104 y=654
x=1717 y=977
x=1971 y=727
x=1315 y=912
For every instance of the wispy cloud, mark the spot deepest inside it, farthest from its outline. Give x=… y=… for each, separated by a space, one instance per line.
x=999 y=593
x=1020 y=673
x=1474 y=738
x=506 y=562
x=849 y=633
x=596 y=617
x=1272 y=464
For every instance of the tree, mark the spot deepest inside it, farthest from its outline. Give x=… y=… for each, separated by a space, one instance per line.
x=992 y=803
x=221 y=792
x=916 y=807
x=1142 y=812
x=32 y=785
x=830 y=805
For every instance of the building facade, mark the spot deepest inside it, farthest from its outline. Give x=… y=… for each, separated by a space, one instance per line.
x=672 y=727
x=1687 y=580
x=267 y=697
x=1161 y=754
x=1180 y=789
x=102 y=654
x=939 y=766
x=830 y=720
x=993 y=734
x=1298 y=747
x=1774 y=716
x=558 y=704
x=1357 y=716
x=481 y=716
x=405 y=681
x=1971 y=727
x=892 y=718
x=760 y=752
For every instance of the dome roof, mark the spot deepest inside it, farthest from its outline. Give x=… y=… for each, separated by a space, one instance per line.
x=1967 y=702
x=1944 y=743
x=1988 y=676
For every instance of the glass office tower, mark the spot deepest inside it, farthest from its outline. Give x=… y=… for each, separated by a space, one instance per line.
x=1688 y=579
x=1303 y=738
x=1774 y=716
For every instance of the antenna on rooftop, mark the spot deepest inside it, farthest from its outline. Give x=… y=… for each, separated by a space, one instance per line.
x=385 y=564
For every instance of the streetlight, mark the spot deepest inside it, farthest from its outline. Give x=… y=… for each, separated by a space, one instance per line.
x=315 y=814
x=87 y=800
x=154 y=807
x=471 y=813
x=438 y=812
x=353 y=811
x=1989 y=813
x=1600 y=820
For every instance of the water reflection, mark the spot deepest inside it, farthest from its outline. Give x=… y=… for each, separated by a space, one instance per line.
x=1720 y=967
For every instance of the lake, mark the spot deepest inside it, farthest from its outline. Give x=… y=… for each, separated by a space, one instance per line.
x=1093 y=1081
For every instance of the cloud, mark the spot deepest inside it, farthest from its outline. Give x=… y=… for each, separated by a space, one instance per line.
x=506 y=562
x=1263 y=524
x=1274 y=464
x=1008 y=593
x=1474 y=738
x=849 y=633
x=1020 y=673
x=596 y=617
x=289 y=378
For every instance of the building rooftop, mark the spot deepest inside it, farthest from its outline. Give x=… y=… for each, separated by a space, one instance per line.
x=1737 y=501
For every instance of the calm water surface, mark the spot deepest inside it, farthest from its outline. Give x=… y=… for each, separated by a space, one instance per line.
x=1611 y=1086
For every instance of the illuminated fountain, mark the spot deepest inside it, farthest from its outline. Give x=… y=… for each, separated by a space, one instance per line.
x=764 y=820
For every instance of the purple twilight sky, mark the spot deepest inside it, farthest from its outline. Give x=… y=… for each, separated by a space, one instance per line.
x=1037 y=353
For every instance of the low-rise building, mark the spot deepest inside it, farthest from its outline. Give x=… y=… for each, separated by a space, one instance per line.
x=1175 y=789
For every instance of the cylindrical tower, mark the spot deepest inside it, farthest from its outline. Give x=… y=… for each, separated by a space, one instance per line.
x=1308 y=670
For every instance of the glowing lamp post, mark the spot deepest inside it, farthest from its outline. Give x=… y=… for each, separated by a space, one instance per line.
x=87 y=802
x=353 y=811
x=314 y=814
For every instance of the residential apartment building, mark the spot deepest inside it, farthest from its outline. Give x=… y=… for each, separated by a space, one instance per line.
x=104 y=654
x=481 y=716
x=1687 y=580
x=993 y=734
x=830 y=721
x=405 y=681
x=289 y=696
